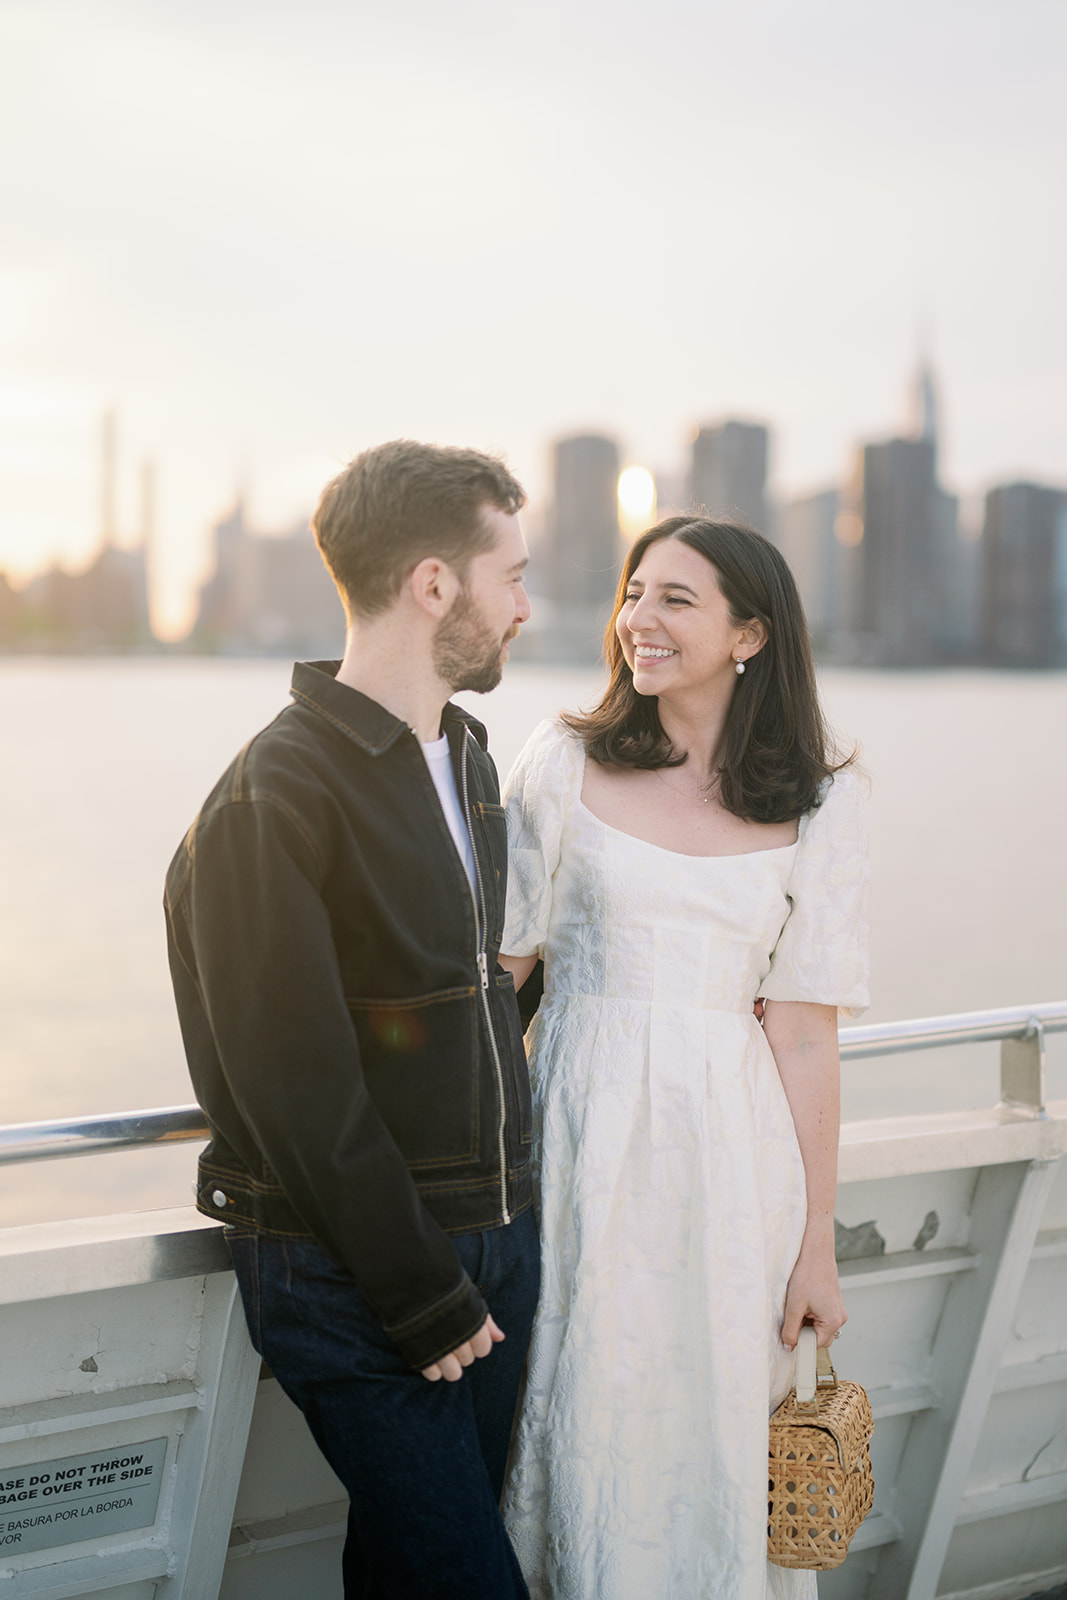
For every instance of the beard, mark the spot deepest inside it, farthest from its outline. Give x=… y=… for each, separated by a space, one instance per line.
x=466 y=653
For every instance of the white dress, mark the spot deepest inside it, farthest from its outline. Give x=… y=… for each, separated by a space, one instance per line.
x=672 y=1189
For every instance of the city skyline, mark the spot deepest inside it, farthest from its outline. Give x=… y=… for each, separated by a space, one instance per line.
x=132 y=485
x=273 y=236
x=888 y=572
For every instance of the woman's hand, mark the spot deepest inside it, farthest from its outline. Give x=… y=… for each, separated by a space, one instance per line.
x=813 y=1295
x=520 y=967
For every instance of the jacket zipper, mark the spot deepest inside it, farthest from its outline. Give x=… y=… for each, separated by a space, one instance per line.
x=483 y=973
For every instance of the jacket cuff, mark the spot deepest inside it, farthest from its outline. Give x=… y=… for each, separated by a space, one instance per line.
x=441 y=1327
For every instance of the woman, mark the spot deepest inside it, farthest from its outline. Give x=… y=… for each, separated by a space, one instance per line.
x=687 y=847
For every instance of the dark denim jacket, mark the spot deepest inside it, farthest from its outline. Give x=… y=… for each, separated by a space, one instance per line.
x=353 y=1044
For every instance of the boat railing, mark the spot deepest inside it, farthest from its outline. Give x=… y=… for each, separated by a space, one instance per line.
x=1020 y=1030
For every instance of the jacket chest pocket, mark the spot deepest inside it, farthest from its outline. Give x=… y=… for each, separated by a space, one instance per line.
x=420 y=1065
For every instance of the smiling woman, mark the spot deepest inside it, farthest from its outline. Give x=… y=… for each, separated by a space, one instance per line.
x=688 y=1157
x=698 y=599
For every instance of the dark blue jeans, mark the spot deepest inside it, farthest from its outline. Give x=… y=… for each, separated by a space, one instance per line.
x=423 y=1462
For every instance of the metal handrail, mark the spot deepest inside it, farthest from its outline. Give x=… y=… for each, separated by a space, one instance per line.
x=961 y=1027
x=169 y=1125
x=90 y=1136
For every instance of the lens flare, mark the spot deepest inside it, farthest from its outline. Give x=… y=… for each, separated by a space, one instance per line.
x=637 y=500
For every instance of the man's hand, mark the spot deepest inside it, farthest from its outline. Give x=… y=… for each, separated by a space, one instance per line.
x=451 y=1367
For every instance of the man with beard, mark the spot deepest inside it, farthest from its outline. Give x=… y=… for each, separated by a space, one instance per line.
x=334 y=917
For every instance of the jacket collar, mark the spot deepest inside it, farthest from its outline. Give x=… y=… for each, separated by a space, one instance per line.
x=372 y=727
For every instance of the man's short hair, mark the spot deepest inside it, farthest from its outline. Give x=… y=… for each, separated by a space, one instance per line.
x=400 y=502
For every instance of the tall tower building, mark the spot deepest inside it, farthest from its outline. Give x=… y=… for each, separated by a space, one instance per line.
x=148 y=503
x=728 y=472
x=585 y=523
x=915 y=603
x=148 y=526
x=924 y=407
x=108 y=476
x=106 y=606
x=1024 y=576
x=818 y=539
x=894 y=495
x=218 y=617
x=268 y=593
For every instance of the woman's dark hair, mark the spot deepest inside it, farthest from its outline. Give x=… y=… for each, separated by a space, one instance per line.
x=775 y=749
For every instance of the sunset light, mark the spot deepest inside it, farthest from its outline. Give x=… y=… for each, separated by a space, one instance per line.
x=637 y=500
x=523 y=531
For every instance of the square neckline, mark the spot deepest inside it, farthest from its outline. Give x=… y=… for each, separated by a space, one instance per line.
x=682 y=855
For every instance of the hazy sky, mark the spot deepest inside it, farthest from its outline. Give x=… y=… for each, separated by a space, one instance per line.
x=273 y=233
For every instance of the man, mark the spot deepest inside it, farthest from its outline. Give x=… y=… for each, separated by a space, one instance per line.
x=334 y=916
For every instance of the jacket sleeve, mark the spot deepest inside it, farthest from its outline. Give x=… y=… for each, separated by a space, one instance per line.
x=253 y=951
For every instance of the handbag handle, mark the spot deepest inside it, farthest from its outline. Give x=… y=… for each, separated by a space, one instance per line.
x=815 y=1370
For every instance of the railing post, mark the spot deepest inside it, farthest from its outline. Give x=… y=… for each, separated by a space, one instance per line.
x=1022 y=1071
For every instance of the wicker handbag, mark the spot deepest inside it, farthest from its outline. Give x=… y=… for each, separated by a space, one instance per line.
x=821 y=1484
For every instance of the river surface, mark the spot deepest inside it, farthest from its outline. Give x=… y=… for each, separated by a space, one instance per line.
x=106 y=762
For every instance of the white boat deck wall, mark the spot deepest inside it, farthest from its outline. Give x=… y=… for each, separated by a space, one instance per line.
x=120 y=1331
x=930 y=1332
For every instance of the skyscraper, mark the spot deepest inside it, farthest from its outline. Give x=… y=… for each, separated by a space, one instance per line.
x=728 y=472
x=913 y=601
x=108 y=477
x=218 y=619
x=818 y=539
x=895 y=496
x=584 y=532
x=925 y=410
x=268 y=593
x=1024 y=576
x=103 y=607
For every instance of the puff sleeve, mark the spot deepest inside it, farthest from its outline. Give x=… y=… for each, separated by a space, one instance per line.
x=546 y=775
x=822 y=951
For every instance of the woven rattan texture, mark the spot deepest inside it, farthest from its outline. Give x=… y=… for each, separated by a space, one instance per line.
x=821 y=1484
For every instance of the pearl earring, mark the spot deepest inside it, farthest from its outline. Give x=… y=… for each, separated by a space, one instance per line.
x=739 y=666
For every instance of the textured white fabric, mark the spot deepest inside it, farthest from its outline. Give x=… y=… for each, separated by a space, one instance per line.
x=439 y=760
x=672 y=1190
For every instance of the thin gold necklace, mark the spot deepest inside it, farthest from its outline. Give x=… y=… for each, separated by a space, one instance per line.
x=701 y=797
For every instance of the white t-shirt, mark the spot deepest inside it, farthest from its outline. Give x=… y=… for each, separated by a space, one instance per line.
x=444 y=779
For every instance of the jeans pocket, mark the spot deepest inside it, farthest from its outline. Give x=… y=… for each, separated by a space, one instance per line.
x=471 y=1250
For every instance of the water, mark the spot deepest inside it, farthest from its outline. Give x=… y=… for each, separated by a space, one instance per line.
x=105 y=764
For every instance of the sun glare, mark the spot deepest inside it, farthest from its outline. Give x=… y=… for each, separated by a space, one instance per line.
x=848 y=529
x=637 y=500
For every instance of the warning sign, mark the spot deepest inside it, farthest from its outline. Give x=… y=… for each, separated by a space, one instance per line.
x=80 y=1497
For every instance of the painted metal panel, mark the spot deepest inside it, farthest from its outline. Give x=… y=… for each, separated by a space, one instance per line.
x=958 y=1328
x=104 y=1372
